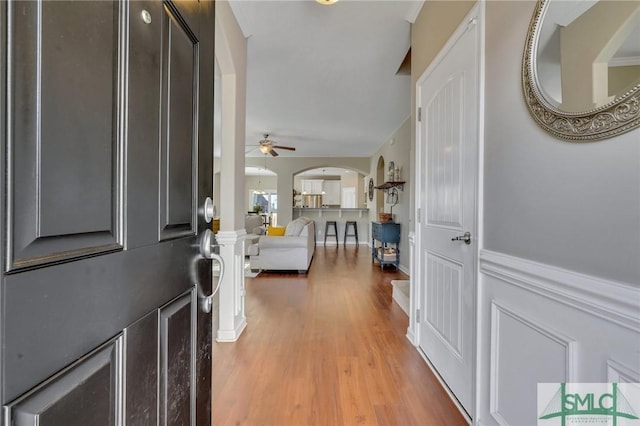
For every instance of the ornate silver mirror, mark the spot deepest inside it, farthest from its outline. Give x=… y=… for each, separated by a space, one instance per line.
x=581 y=67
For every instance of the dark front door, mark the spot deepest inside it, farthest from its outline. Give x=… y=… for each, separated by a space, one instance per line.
x=107 y=156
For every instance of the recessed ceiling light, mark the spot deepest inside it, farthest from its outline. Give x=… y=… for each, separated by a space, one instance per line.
x=327 y=2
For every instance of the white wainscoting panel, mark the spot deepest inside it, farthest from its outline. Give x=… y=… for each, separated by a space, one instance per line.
x=617 y=372
x=516 y=368
x=540 y=323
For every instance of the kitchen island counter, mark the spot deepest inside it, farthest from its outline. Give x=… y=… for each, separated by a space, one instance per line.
x=340 y=215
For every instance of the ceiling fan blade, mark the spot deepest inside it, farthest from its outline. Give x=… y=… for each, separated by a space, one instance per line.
x=273 y=153
x=289 y=148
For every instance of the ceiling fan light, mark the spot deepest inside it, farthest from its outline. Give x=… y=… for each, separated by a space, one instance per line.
x=327 y=2
x=265 y=149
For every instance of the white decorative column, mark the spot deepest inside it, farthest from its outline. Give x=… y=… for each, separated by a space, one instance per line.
x=232 y=293
x=231 y=54
x=413 y=290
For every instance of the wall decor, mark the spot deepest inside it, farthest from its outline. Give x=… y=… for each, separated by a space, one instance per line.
x=572 y=69
x=371 y=187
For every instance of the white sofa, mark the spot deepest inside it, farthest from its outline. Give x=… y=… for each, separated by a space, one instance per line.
x=293 y=251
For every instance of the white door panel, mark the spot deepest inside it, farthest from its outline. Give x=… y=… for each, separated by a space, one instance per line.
x=448 y=138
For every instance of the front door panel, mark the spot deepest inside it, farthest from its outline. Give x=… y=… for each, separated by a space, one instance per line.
x=64 y=65
x=64 y=400
x=176 y=362
x=107 y=151
x=142 y=370
x=55 y=315
x=178 y=143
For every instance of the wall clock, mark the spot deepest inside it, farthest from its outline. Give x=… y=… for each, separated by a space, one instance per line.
x=370 y=189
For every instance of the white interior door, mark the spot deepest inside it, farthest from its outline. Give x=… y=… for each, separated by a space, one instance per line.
x=448 y=158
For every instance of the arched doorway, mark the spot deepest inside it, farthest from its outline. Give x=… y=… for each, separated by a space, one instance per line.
x=340 y=187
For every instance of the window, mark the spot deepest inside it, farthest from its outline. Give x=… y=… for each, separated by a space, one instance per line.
x=267 y=200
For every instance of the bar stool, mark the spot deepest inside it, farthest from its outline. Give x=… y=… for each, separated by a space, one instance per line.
x=354 y=225
x=326 y=231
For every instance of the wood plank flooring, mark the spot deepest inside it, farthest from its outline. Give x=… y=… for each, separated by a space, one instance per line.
x=327 y=348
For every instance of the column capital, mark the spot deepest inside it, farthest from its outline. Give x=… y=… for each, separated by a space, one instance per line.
x=227 y=238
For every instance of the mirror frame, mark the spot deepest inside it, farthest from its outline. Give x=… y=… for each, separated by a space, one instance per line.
x=618 y=116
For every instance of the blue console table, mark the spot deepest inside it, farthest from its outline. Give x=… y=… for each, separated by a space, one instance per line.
x=386 y=234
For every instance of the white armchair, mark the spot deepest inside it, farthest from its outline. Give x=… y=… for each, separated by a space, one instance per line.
x=254 y=228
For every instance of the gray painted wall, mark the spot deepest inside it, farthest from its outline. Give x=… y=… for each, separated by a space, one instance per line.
x=572 y=205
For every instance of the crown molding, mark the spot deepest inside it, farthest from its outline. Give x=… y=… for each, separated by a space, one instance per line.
x=416 y=7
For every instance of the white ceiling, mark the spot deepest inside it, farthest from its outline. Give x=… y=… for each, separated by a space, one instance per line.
x=323 y=78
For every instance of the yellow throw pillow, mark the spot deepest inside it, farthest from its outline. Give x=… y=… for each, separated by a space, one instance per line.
x=275 y=231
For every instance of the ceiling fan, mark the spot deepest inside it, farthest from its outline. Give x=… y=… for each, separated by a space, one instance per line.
x=266 y=146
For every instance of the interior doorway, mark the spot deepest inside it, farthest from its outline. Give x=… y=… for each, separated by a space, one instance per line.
x=448 y=139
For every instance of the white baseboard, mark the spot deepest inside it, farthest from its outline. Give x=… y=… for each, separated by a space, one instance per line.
x=411 y=337
x=229 y=336
x=445 y=387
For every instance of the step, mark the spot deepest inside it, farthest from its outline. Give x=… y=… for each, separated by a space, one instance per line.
x=401 y=294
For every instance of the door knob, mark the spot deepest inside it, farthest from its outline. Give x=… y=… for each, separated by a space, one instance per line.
x=206 y=250
x=208 y=209
x=466 y=237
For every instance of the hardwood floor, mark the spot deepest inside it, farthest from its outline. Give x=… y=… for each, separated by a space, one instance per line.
x=327 y=348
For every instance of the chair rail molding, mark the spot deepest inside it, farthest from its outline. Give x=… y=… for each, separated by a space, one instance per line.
x=609 y=300
x=620 y=373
